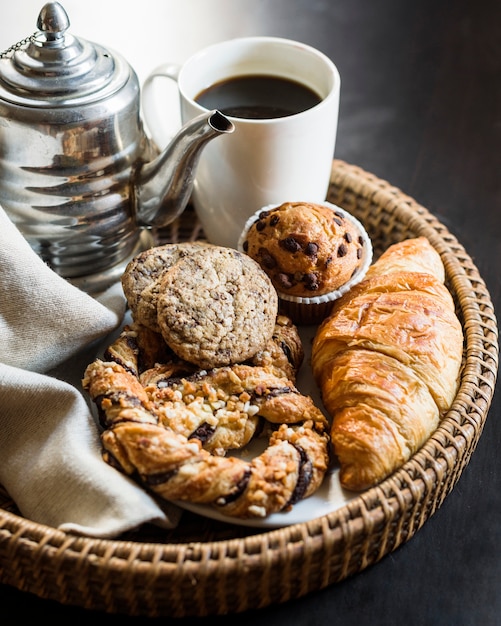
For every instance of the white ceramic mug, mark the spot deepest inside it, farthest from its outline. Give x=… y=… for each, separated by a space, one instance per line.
x=265 y=161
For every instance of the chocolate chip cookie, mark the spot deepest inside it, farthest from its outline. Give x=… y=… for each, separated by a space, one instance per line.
x=216 y=307
x=140 y=279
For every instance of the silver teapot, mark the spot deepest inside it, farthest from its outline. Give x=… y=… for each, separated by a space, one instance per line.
x=78 y=174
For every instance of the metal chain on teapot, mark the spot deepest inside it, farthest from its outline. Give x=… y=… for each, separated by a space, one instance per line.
x=17 y=46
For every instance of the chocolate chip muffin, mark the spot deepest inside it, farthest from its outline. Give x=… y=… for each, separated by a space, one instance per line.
x=306 y=249
x=310 y=251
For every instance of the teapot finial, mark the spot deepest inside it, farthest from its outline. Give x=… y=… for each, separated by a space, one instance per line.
x=53 y=20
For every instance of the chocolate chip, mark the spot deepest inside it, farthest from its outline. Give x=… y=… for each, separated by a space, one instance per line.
x=276 y=392
x=260 y=225
x=338 y=221
x=274 y=220
x=304 y=478
x=311 y=249
x=361 y=240
x=237 y=491
x=342 y=250
x=284 y=281
x=311 y=281
x=203 y=432
x=348 y=237
x=287 y=351
x=246 y=245
x=113 y=461
x=359 y=253
x=267 y=259
x=159 y=479
x=290 y=244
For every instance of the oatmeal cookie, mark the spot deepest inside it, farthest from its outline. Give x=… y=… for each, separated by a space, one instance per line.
x=216 y=307
x=141 y=276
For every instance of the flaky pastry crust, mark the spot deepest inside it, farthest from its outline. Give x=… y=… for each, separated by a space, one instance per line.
x=171 y=426
x=387 y=361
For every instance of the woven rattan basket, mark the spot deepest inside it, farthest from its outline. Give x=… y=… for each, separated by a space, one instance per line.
x=207 y=567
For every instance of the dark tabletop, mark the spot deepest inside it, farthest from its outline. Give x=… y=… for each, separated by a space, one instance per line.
x=420 y=108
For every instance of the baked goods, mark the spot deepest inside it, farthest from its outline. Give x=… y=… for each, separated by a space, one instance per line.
x=140 y=278
x=387 y=361
x=213 y=306
x=290 y=469
x=216 y=307
x=138 y=348
x=306 y=249
x=310 y=251
x=225 y=419
x=144 y=353
x=410 y=255
x=170 y=425
x=173 y=433
x=284 y=353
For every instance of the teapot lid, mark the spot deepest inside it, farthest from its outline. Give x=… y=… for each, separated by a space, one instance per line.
x=56 y=68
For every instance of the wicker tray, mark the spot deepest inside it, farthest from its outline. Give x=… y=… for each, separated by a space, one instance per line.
x=207 y=567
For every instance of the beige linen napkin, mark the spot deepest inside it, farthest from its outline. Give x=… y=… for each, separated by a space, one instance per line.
x=50 y=453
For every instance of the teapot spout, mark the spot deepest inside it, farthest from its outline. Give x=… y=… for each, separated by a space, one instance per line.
x=163 y=186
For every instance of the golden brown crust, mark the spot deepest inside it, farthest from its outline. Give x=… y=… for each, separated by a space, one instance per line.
x=284 y=353
x=138 y=348
x=382 y=410
x=387 y=361
x=144 y=352
x=409 y=255
x=171 y=382
x=149 y=433
x=178 y=469
x=306 y=249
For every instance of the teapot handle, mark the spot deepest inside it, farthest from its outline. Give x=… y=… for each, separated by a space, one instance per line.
x=159 y=120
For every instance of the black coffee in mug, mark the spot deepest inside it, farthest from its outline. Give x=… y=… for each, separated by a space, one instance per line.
x=258 y=97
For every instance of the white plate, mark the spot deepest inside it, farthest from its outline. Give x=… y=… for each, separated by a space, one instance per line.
x=328 y=498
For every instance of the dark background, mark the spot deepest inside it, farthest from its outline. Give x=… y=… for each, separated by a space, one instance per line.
x=421 y=108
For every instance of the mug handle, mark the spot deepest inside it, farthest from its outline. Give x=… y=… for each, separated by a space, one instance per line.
x=161 y=125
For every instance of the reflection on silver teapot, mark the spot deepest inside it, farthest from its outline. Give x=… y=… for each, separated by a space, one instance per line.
x=78 y=175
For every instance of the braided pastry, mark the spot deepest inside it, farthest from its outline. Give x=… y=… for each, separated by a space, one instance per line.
x=139 y=349
x=144 y=354
x=387 y=361
x=172 y=435
x=171 y=425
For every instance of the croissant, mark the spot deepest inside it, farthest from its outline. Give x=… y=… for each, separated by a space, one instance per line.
x=387 y=362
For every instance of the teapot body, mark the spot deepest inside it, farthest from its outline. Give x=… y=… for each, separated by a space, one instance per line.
x=66 y=172
x=78 y=175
